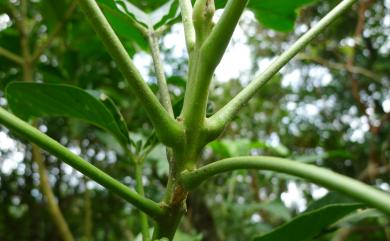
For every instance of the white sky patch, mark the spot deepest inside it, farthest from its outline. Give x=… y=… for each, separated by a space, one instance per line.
x=308 y=110
x=255 y=218
x=293 y=197
x=143 y=61
x=237 y=62
x=386 y=105
x=384 y=186
x=5 y=21
x=8 y=165
x=293 y=79
x=318 y=192
x=175 y=40
x=66 y=168
x=6 y=143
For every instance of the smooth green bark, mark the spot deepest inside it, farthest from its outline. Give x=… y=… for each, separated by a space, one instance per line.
x=321 y=176
x=45 y=142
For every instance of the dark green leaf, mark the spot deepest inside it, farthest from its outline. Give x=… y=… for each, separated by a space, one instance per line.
x=276 y=14
x=123 y=25
x=314 y=220
x=330 y=198
x=29 y=100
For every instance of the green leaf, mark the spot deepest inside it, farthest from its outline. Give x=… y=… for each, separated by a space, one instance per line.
x=158 y=157
x=29 y=100
x=164 y=14
x=330 y=198
x=313 y=221
x=354 y=218
x=122 y=24
x=279 y=15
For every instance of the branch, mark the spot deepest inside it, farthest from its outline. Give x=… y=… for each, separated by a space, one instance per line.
x=320 y=176
x=11 y=56
x=57 y=29
x=45 y=142
x=215 y=45
x=210 y=47
x=189 y=30
x=54 y=209
x=158 y=66
x=167 y=129
x=140 y=190
x=217 y=122
x=342 y=67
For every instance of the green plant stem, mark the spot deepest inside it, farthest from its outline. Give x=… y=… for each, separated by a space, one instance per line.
x=217 y=122
x=165 y=98
x=45 y=142
x=209 y=50
x=189 y=30
x=216 y=43
x=11 y=56
x=57 y=29
x=320 y=176
x=167 y=129
x=140 y=189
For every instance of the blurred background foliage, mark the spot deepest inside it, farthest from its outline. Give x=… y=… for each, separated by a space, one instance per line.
x=330 y=107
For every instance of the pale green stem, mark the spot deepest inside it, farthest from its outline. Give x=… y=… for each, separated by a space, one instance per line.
x=140 y=189
x=167 y=129
x=45 y=142
x=217 y=122
x=11 y=56
x=321 y=176
x=165 y=98
x=216 y=43
x=206 y=59
x=189 y=30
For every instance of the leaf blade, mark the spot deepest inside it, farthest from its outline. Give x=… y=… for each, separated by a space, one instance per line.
x=33 y=100
x=309 y=224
